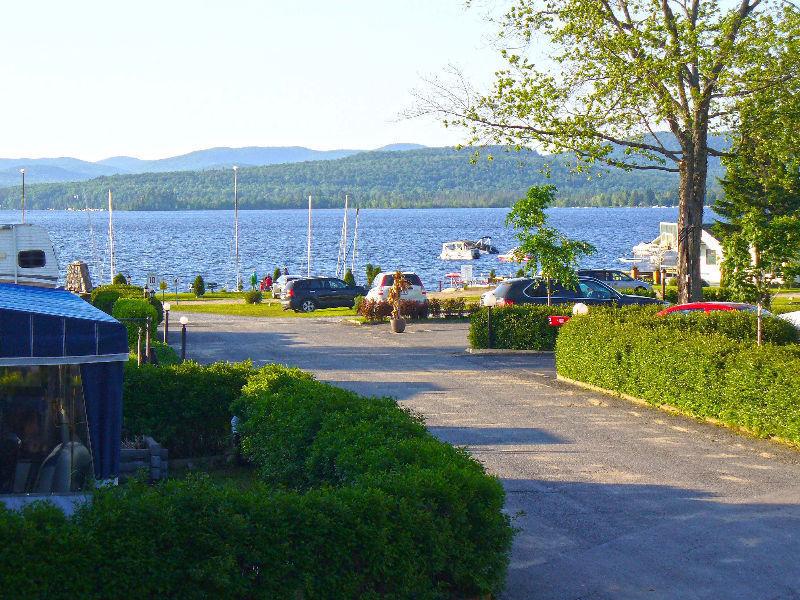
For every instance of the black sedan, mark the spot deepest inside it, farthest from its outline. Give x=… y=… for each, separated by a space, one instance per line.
x=310 y=293
x=590 y=291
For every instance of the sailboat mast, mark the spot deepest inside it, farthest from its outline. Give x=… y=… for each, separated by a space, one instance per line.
x=236 y=224
x=309 y=236
x=111 y=234
x=344 y=242
x=355 y=240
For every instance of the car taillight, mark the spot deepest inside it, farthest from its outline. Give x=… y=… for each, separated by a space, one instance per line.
x=505 y=302
x=290 y=293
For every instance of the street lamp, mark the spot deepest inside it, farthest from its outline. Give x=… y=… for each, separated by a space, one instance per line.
x=22 y=171
x=184 y=322
x=166 y=321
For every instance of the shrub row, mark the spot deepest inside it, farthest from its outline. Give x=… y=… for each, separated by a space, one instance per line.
x=104 y=297
x=451 y=308
x=437 y=530
x=706 y=374
x=516 y=327
x=358 y=501
x=373 y=311
x=185 y=406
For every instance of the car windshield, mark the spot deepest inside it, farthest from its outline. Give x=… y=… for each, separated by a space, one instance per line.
x=411 y=278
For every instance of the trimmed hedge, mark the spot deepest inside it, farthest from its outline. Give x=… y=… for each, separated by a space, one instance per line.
x=185 y=406
x=104 y=297
x=516 y=327
x=446 y=534
x=697 y=369
x=133 y=312
x=373 y=310
x=358 y=501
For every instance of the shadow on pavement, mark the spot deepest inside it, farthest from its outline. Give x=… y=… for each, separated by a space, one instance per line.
x=494 y=436
x=628 y=541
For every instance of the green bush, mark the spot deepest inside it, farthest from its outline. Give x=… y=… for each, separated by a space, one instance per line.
x=253 y=297
x=133 y=313
x=359 y=501
x=119 y=279
x=693 y=364
x=523 y=327
x=276 y=273
x=165 y=354
x=104 y=297
x=199 y=286
x=185 y=406
x=349 y=278
x=446 y=512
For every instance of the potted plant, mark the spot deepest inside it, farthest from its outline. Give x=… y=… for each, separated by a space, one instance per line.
x=395 y=292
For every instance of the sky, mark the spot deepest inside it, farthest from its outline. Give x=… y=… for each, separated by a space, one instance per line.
x=145 y=78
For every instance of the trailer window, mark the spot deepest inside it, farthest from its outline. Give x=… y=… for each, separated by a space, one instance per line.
x=31 y=259
x=44 y=438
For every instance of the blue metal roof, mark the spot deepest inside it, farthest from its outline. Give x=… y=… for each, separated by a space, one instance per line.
x=50 y=326
x=49 y=301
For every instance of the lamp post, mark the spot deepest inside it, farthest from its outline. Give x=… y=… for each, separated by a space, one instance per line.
x=166 y=321
x=22 y=171
x=184 y=322
x=236 y=221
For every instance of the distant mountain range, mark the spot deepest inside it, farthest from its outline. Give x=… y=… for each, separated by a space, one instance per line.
x=50 y=170
x=421 y=177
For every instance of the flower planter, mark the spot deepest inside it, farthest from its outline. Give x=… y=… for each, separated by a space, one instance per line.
x=398 y=325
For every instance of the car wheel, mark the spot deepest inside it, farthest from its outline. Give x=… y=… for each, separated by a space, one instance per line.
x=308 y=306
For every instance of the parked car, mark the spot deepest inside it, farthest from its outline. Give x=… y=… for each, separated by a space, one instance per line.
x=619 y=280
x=708 y=307
x=310 y=293
x=280 y=284
x=384 y=281
x=590 y=291
x=792 y=317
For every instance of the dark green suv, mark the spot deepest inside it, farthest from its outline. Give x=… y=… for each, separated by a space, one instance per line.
x=310 y=293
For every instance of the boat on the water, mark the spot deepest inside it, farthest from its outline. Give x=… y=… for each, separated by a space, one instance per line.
x=484 y=245
x=513 y=256
x=27 y=256
x=459 y=250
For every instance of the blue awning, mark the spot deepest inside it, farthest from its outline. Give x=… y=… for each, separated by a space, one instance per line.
x=44 y=326
x=40 y=326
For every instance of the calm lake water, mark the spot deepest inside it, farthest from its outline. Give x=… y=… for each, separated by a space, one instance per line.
x=184 y=244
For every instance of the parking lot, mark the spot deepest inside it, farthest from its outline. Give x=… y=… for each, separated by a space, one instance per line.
x=612 y=500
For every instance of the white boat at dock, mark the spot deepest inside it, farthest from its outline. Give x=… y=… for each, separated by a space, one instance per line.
x=459 y=250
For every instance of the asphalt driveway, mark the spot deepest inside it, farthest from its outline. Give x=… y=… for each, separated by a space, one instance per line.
x=612 y=500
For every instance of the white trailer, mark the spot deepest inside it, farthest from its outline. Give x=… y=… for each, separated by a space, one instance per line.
x=27 y=256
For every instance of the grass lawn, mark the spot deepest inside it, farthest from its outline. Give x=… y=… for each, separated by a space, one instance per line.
x=783 y=305
x=172 y=296
x=265 y=309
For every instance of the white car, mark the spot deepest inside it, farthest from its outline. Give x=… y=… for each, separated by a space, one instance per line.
x=792 y=317
x=383 y=283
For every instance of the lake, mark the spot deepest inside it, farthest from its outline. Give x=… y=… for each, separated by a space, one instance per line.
x=183 y=244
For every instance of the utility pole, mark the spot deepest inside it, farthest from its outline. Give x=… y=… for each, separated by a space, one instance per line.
x=236 y=222
x=308 y=252
x=22 y=171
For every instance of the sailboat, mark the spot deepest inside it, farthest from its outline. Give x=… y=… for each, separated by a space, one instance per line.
x=341 y=259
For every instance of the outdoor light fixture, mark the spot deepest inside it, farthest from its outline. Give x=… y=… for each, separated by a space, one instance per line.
x=166 y=320
x=184 y=321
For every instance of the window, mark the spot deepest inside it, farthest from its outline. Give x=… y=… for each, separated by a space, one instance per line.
x=536 y=290
x=619 y=276
x=411 y=278
x=336 y=284
x=594 y=290
x=31 y=259
x=44 y=439
x=711 y=257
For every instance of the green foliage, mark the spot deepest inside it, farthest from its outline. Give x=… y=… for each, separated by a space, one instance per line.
x=133 y=313
x=162 y=285
x=399 y=285
x=371 y=271
x=556 y=254
x=305 y=435
x=376 y=311
x=516 y=327
x=253 y=297
x=704 y=373
x=199 y=286
x=276 y=273
x=349 y=278
x=104 y=297
x=185 y=406
x=119 y=279
x=165 y=354
x=358 y=302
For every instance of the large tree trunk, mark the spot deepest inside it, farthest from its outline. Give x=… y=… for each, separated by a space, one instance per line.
x=693 y=176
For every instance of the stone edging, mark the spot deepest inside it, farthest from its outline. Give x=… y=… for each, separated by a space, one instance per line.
x=668 y=408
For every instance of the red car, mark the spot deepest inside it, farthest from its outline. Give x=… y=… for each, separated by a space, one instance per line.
x=708 y=307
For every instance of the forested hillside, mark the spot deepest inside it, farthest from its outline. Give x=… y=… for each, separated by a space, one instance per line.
x=414 y=178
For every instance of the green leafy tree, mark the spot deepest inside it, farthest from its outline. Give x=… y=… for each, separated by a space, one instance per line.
x=349 y=278
x=119 y=279
x=546 y=248
x=372 y=271
x=276 y=273
x=617 y=71
x=761 y=206
x=199 y=286
x=162 y=285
